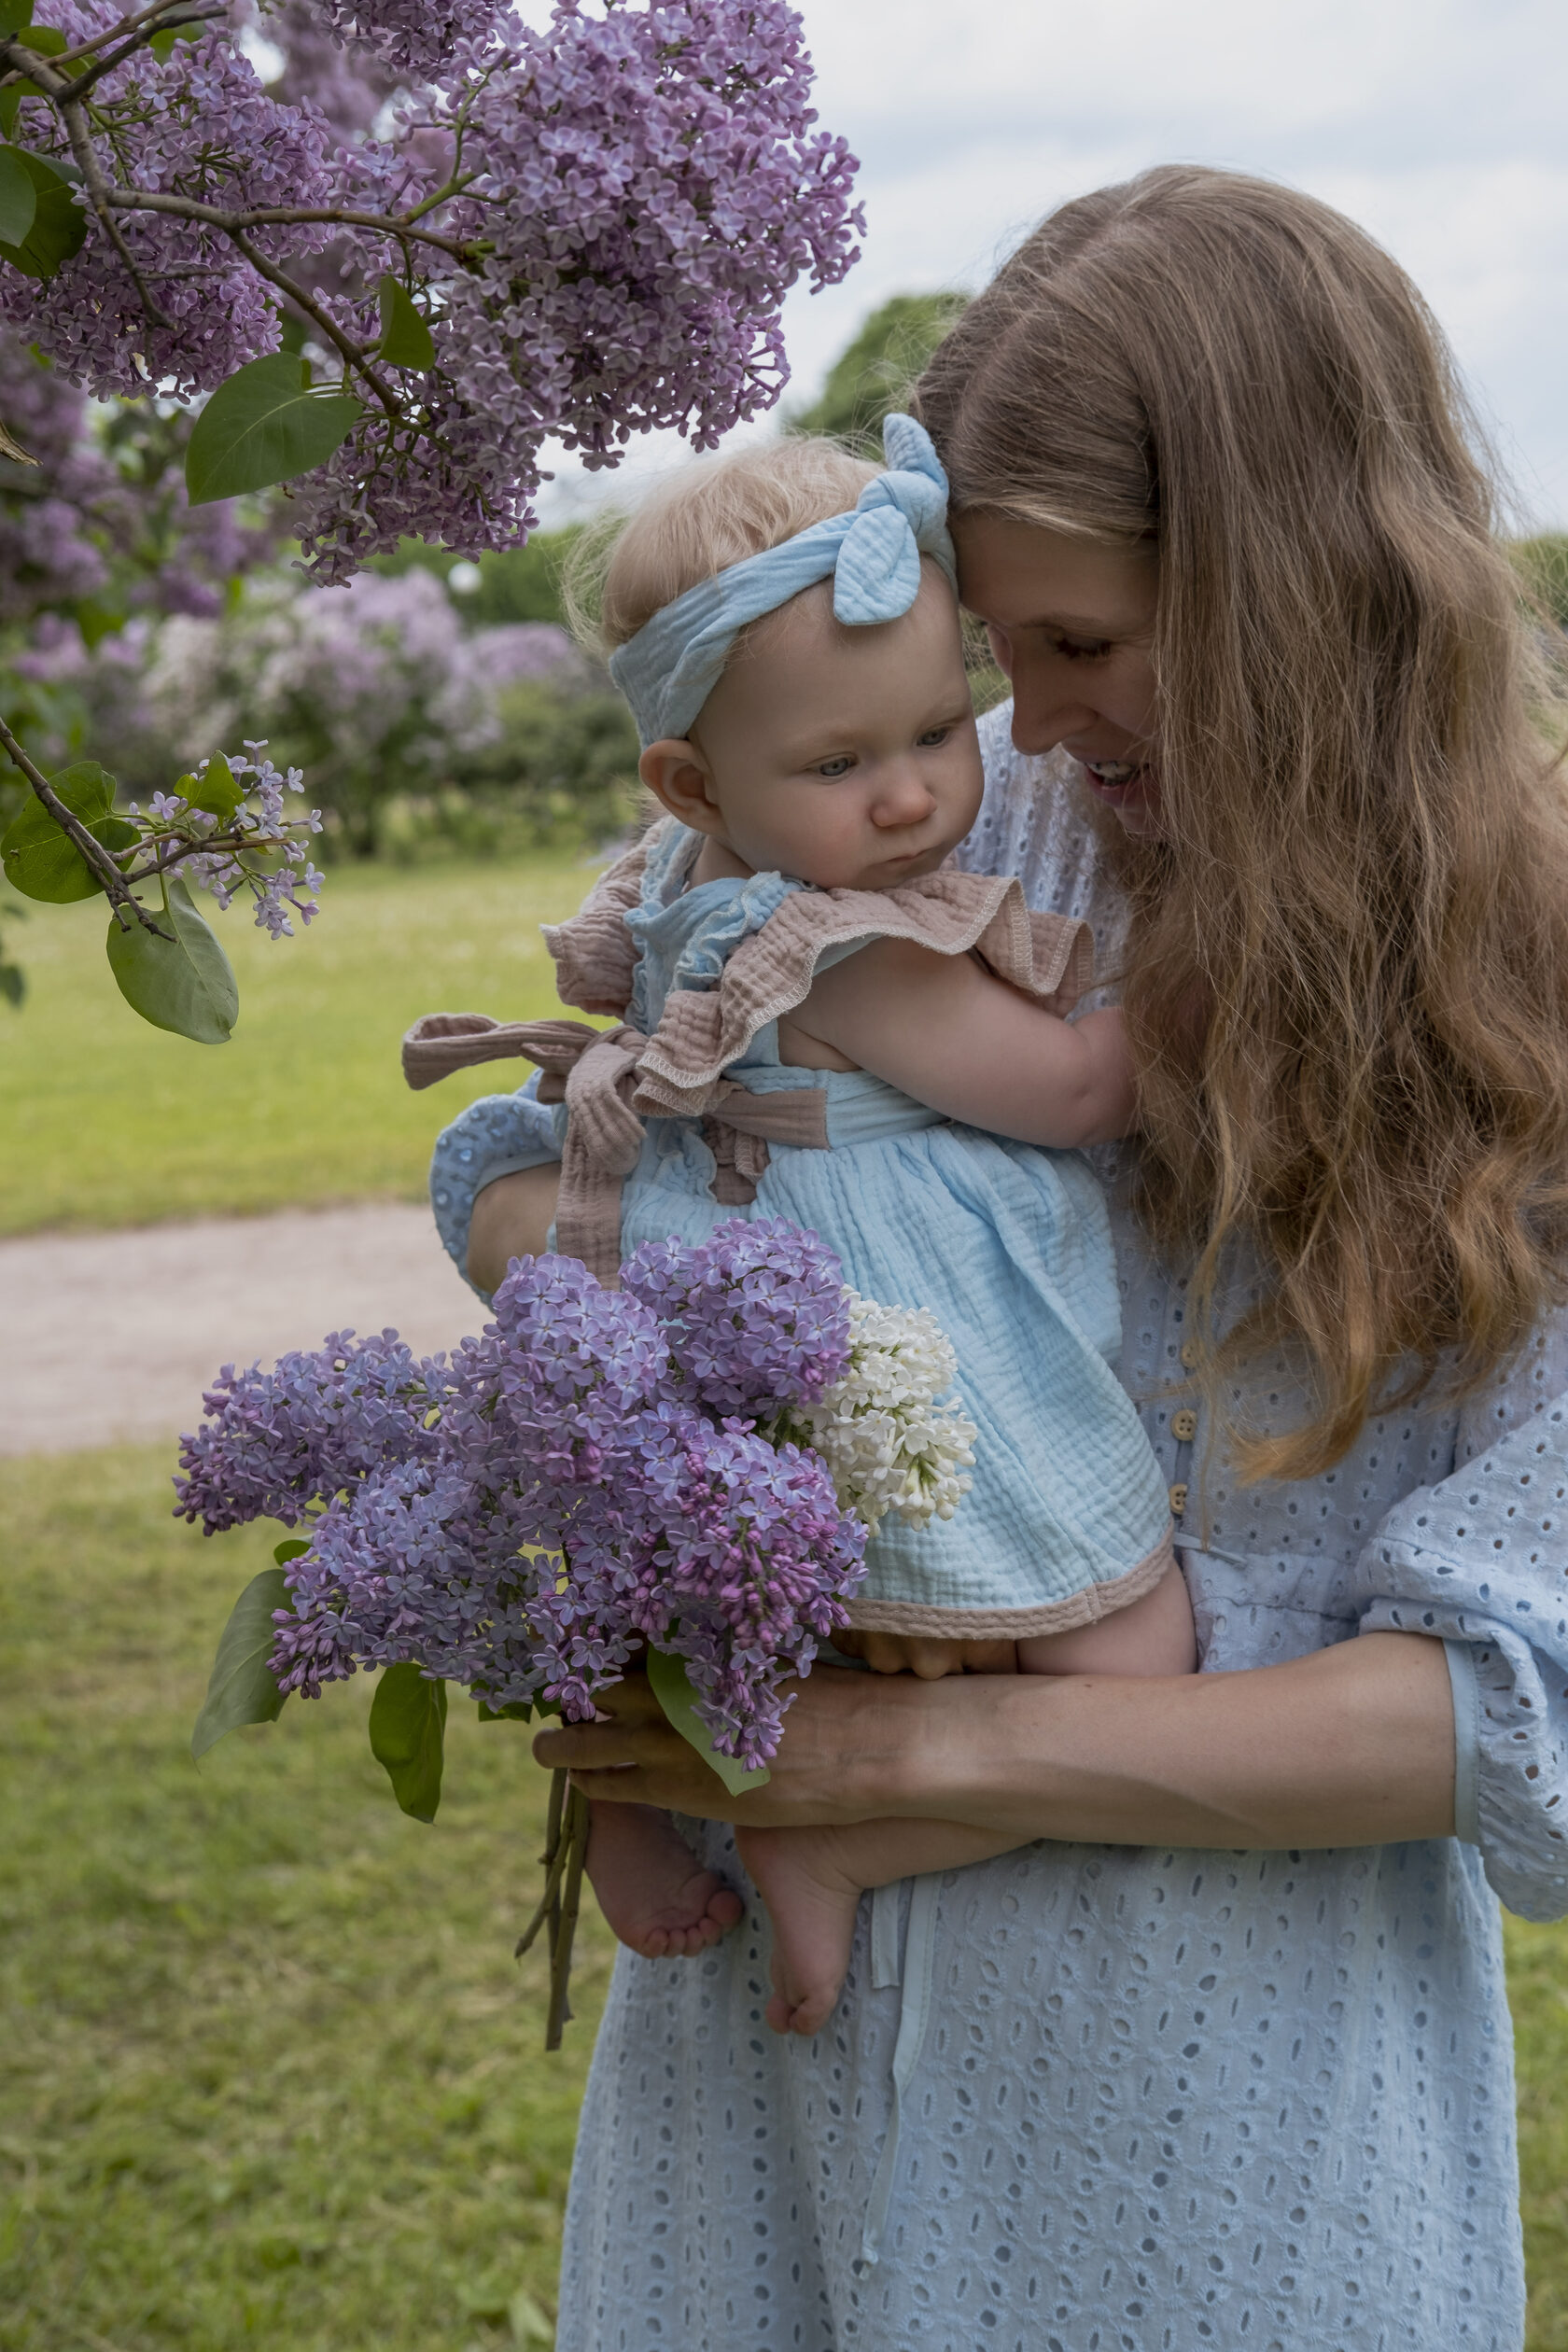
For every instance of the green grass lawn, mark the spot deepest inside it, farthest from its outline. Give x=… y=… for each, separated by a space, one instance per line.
x=108 y=1121
x=270 y=2075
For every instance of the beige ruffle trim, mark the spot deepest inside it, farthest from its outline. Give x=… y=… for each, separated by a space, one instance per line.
x=1087 y=1607
x=1049 y=958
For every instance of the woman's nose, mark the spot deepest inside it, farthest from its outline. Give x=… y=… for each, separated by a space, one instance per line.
x=1047 y=705
x=902 y=796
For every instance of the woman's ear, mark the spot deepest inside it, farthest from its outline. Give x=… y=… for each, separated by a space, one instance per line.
x=677 y=776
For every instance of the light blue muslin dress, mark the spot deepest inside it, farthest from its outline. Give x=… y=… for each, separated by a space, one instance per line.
x=1007 y=1246
x=1146 y=2101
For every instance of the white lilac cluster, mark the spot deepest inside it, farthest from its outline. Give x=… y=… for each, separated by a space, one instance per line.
x=888 y=1441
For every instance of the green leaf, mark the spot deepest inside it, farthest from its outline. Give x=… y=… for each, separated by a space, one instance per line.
x=264 y=425
x=241 y=1689
x=10 y=100
x=59 y=223
x=19 y=199
x=96 y=621
x=47 y=39
x=408 y=1719
x=185 y=984
x=515 y=1710
x=15 y=17
x=41 y=861
x=293 y=1547
x=672 y=1687
x=405 y=338
x=216 y=792
x=162 y=42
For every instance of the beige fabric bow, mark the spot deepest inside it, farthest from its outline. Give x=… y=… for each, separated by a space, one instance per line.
x=598 y=1075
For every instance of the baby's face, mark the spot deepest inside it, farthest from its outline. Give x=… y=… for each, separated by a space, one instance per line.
x=844 y=757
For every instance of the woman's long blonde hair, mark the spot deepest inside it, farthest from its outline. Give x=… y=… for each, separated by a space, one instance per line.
x=1347 y=968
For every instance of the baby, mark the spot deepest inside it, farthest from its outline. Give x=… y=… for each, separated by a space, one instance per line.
x=786 y=629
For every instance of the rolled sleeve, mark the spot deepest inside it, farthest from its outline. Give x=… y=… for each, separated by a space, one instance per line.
x=495 y=1137
x=1481 y=1562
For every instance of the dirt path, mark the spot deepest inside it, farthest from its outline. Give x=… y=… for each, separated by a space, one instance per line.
x=113 y=1336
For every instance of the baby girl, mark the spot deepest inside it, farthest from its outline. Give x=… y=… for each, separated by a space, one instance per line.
x=829 y=1024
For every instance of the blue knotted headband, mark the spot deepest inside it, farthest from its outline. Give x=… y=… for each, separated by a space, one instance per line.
x=873 y=557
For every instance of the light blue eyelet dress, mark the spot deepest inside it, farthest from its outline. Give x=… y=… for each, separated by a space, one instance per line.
x=1159 y=2101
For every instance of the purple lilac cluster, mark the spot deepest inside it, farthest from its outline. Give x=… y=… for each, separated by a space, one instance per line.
x=598 y=219
x=258 y=829
x=197 y=125
x=757 y=1315
x=523 y=1518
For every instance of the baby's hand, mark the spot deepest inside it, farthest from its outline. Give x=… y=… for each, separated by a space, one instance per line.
x=909 y=1654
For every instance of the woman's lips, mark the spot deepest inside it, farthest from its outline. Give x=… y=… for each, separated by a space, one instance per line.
x=1114 y=780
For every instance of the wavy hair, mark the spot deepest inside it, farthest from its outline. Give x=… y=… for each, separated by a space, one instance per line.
x=1346 y=975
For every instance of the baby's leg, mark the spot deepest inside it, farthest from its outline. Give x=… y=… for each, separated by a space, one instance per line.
x=812 y=1881
x=1151 y=1636
x=652 y=1888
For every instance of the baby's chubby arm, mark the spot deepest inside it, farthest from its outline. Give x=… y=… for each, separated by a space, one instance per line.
x=952 y=1035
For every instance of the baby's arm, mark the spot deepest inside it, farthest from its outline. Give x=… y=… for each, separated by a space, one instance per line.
x=1151 y=1636
x=952 y=1035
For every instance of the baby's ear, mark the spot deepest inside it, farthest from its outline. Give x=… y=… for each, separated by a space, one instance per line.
x=676 y=774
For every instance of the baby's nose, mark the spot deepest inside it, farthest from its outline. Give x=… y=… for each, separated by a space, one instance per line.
x=902 y=797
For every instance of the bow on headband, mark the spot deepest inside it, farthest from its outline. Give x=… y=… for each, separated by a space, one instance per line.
x=873 y=557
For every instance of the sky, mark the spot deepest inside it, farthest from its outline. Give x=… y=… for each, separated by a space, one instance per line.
x=1436 y=124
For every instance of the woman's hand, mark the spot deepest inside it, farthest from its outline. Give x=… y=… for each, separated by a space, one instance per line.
x=1353 y=1746
x=848 y=1739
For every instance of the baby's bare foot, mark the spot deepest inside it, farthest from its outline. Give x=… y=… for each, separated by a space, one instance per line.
x=652 y=1890
x=807 y=1879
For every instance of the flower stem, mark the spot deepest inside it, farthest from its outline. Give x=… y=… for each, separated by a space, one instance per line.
x=565 y=1849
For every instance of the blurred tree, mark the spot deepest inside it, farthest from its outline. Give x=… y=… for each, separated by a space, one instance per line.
x=876 y=371
x=508 y=584
x=1543 y=563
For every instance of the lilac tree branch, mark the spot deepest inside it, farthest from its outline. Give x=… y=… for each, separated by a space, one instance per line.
x=96 y=857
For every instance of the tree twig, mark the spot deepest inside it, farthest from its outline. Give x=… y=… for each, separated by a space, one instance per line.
x=283 y=217
x=78 y=88
x=355 y=356
x=97 y=857
x=98 y=188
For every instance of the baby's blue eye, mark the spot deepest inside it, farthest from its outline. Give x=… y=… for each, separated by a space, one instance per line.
x=835 y=767
x=933 y=735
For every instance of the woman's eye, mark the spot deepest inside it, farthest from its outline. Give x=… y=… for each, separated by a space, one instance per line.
x=932 y=736
x=835 y=767
x=1081 y=648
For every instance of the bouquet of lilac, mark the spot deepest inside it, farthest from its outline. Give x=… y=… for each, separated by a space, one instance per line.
x=584 y=1481
x=680 y=1474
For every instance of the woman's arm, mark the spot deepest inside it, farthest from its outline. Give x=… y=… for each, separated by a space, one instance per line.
x=954 y=1036
x=1353 y=1746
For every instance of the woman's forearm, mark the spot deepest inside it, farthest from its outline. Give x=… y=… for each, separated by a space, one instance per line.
x=1351 y=1746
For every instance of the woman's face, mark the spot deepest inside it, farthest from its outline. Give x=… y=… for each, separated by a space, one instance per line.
x=1072 y=625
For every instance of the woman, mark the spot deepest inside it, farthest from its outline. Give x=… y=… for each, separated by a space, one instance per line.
x=1220 y=2055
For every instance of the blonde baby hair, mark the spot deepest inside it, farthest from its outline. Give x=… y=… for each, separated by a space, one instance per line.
x=713 y=513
